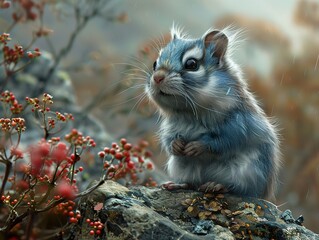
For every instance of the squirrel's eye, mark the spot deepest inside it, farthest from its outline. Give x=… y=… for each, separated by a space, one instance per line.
x=191 y=64
x=154 y=65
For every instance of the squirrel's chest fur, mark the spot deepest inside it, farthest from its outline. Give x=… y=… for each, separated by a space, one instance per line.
x=186 y=128
x=225 y=169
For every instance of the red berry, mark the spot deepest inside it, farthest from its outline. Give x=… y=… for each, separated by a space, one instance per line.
x=112 y=151
x=101 y=154
x=71 y=214
x=5 y=4
x=126 y=154
x=106 y=150
x=91 y=232
x=81 y=169
x=148 y=154
x=149 y=166
x=98 y=232
x=119 y=156
x=127 y=146
x=130 y=165
x=123 y=141
x=73 y=220
x=137 y=149
x=65 y=190
x=140 y=160
x=143 y=144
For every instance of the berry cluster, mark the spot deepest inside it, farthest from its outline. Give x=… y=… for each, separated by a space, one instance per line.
x=68 y=209
x=77 y=139
x=12 y=55
x=34 y=54
x=4 y=38
x=9 y=98
x=64 y=117
x=41 y=106
x=96 y=226
x=125 y=161
x=16 y=152
x=8 y=124
x=4 y=4
x=26 y=10
x=44 y=175
x=52 y=162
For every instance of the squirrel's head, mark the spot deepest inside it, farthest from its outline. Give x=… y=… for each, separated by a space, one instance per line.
x=191 y=73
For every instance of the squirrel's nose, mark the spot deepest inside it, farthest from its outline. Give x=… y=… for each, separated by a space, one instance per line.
x=158 y=78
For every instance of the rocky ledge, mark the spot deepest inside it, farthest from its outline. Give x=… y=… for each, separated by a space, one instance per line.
x=155 y=213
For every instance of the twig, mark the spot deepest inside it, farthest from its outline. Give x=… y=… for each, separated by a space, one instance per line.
x=64 y=51
x=8 y=164
x=18 y=219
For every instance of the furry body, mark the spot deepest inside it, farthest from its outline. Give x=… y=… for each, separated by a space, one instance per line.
x=212 y=128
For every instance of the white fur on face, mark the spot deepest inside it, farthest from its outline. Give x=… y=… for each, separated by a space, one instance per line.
x=212 y=96
x=199 y=73
x=195 y=52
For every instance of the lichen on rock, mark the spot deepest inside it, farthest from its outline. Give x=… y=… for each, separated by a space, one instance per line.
x=155 y=213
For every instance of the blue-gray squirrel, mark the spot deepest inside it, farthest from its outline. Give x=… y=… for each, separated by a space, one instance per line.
x=216 y=136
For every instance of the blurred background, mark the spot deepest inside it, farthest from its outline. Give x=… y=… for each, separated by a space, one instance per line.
x=279 y=55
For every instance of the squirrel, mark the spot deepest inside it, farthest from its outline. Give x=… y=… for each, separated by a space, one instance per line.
x=217 y=137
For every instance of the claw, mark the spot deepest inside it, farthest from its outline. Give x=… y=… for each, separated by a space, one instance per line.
x=212 y=187
x=175 y=186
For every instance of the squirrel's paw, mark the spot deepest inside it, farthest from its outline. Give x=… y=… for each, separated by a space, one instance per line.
x=175 y=186
x=212 y=187
x=195 y=148
x=178 y=146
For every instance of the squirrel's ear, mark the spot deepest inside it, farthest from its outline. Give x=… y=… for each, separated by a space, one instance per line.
x=176 y=32
x=220 y=41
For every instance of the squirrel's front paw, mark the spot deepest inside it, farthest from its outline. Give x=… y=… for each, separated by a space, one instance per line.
x=195 y=148
x=178 y=147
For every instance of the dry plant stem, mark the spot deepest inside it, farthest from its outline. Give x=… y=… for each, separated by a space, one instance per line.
x=73 y=166
x=51 y=47
x=10 y=28
x=44 y=122
x=51 y=185
x=8 y=164
x=30 y=225
x=14 y=221
x=79 y=27
x=8 y=74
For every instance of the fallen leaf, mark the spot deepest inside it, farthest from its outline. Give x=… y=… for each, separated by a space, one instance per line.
x=236 y=213
x=219 y=195
x=98 y=206
x=187 y=202
x=260 y=212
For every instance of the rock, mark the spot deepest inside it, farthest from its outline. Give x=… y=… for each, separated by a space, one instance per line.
x=155 y=213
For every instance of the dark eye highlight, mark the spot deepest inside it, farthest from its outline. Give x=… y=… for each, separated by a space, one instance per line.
x=191 y=64
x=154 y=65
